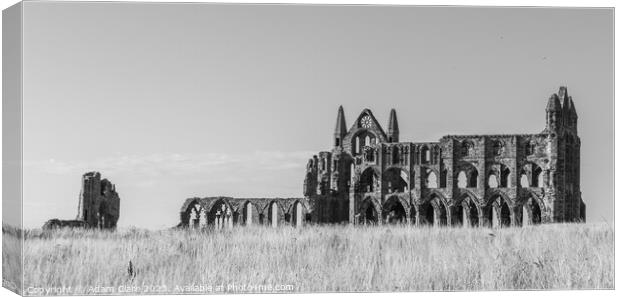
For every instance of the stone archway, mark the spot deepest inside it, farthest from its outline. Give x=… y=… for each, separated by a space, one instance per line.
x=370 y=212
x=275 y=214
x=532 y=211
x=498 y=212
x=368 y=181
x=298 y=214
x=395 y=180
x=434 y=211
x=473 y=215
x=195 y=215
x=250 y=214
x=465 y=212
x=395 y=211
x=427 y=214
x=220 y=215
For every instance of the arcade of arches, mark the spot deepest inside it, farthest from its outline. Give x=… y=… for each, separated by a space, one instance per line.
x=226 y=212
x=370 y=176
x=464 y=212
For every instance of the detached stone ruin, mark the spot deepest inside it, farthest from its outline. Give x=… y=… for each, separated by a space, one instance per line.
x=98 y=205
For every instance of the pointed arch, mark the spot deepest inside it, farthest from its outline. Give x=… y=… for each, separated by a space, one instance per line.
x=250 y=214
x=368 y=180
x=434 y=211
x=396 y=210
x=498 y=211
x=492 y=180
x=466 y=211
x=298 y=214
x=370 y=211
x=396 y=180
x=530 y=175
x=187 y=219
x=275 y=213
x=430 y=178
x=467 y=175
x=194 y=214
x=461 y=180
x=220 y=213
x=532 y=210
x=498 y=175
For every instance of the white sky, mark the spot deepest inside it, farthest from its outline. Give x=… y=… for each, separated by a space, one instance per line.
x=172 y=101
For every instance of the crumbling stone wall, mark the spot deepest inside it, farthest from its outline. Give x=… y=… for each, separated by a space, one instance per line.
x=494 y=180
x=226 y=212
x=56 y=223
x=99 y=203
x=370 y=177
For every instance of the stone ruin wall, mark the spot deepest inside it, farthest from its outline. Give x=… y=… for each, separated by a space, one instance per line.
x=226 y=212
x=370 y=177
x=475 y=180
x=98 y=205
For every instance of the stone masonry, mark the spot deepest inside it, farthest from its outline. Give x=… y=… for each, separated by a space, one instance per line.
x=98 y=205
x=371 y=177
x=99 y=202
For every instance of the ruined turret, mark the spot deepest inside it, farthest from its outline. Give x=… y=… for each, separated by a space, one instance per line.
x=98 y=205
x=393 y=127
x=554 y=113
x=341 y=128
x=99 y=202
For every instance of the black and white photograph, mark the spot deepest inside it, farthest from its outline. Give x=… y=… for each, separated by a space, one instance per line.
x=239 y=148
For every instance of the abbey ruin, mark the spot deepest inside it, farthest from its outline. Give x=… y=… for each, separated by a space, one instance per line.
x=98 y=205
x=371 y=177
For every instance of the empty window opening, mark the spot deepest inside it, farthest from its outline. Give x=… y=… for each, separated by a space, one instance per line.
x=426 y=155
x=473 y=179
x=505 y=178
x=462 y=180
x=431 y=180
x=524 y=182
x=493 y=181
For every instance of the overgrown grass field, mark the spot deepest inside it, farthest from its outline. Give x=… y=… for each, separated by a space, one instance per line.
x=323 y=258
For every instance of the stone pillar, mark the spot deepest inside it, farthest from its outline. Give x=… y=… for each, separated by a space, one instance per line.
x=229 y=219
x=274 y=215
x=465 y=219
x=218 y=220
x=248 y=219
x=526 y=216
x=495 y=219
x=417 y=218
x=203 y=218
x=298 y=215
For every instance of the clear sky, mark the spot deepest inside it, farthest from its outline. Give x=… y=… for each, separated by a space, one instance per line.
x=171 y=101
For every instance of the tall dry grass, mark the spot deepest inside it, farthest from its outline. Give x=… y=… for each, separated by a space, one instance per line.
x=327 y=258
x=12 y=264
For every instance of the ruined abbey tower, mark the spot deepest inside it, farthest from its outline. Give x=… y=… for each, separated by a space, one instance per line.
x=98 y=205
x=370 y=176
x=99 y=202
